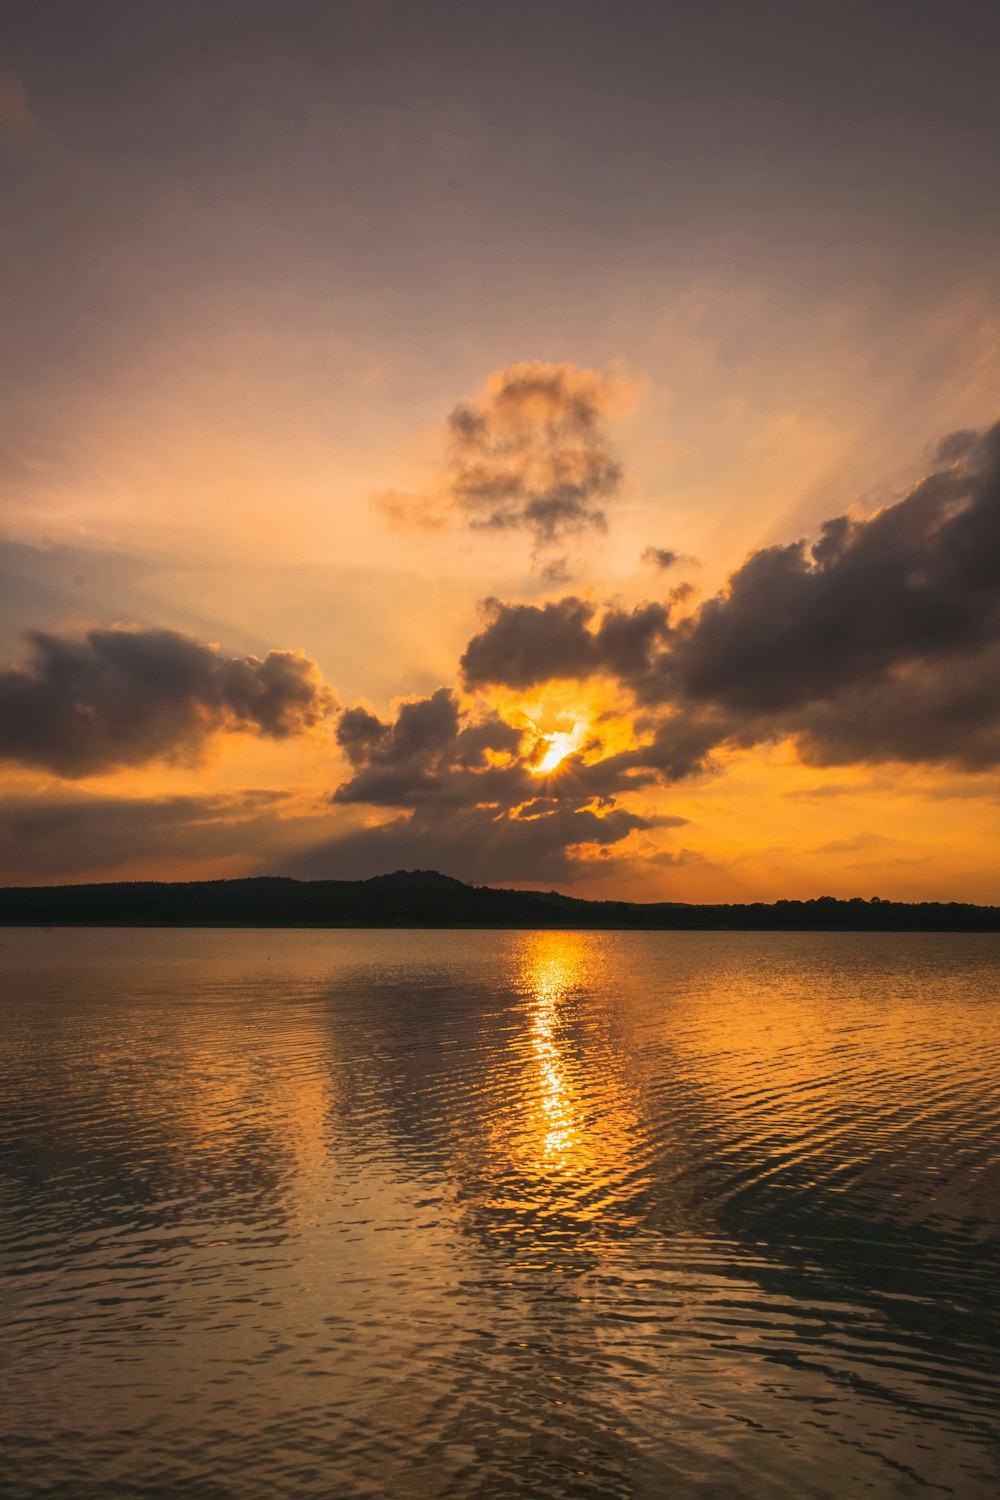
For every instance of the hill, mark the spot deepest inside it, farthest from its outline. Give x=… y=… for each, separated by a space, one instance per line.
x=425 y=898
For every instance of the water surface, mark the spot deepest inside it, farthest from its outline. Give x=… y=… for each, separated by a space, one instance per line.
x=415 y=1214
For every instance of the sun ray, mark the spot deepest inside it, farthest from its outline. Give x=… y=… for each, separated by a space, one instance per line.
x=560 y=744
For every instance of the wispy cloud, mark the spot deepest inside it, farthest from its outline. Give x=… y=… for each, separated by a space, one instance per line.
x=530 y=453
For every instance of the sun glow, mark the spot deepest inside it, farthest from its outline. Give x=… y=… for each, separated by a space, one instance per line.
x=560 y=744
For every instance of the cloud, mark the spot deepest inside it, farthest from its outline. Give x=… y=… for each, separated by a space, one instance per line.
x=918 y=582
x=120 y=696
x=478 y=844
x=660 y=557
x=530 y=453
x=469 y=799
x=926 y=711
x=526 y=644
x=880 y=641
x=427 y=755
x=59 y=836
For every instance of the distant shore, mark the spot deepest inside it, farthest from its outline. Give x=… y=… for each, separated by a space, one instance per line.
x=424 y=898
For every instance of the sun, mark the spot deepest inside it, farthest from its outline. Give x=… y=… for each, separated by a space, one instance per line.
x=560 y=744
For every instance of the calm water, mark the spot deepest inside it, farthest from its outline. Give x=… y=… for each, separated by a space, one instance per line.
x=396 y=1214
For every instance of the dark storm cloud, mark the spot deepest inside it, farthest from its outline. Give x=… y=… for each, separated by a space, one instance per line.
x=526 y=644
x=683 y=742
x=472 y=805
x=919 y=581
x=879 y=641
x=83 y=705
x=941 y=711
x=626 y=639
x=426 y=756
x=529 y=454
x=488 y=761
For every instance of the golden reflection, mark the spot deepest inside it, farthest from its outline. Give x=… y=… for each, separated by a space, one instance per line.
x=575 y=1117
x=553 y=967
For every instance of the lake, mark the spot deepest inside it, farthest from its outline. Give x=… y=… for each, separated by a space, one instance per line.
x=499 y=1214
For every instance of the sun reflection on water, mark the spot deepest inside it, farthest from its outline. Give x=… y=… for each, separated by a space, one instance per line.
x=553 y=967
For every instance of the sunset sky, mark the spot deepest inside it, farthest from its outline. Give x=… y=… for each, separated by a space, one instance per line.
x=550 y=443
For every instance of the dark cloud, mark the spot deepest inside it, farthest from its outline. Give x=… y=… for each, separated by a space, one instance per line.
x=683 y=742
x=919 y=582
x=530 y=453
x=880 y=641
x=42 y=838
x=478 y=844
x=83 y=705
x=660 y=557
x=627 y=639
x=557 y=570
x=526 y=644
x=472 y=804
x=427 y=756
x=929 y=711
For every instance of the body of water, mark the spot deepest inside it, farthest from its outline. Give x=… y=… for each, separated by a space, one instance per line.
x=487 y=1214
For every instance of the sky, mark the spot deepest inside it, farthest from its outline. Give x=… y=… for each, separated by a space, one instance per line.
x=554 y=444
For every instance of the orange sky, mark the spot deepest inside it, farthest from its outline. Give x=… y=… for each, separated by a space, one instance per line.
x=321 y=339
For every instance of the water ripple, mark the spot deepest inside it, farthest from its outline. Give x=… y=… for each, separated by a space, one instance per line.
x=500 y=1215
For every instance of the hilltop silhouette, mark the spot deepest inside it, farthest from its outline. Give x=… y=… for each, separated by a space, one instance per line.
x=426 y=898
